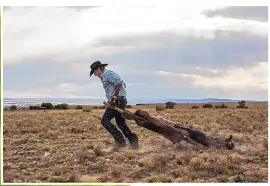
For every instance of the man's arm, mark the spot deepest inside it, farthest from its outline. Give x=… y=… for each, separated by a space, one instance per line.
x=115 y=79
x=117 y=88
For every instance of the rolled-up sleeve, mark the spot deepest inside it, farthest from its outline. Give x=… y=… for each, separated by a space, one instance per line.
x=112 y=77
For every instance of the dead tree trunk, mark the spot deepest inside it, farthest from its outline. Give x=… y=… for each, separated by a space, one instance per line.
x=143 y=119
x=176 y=132
x=173 y=131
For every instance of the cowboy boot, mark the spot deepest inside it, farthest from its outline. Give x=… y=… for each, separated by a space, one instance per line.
x=133 y=140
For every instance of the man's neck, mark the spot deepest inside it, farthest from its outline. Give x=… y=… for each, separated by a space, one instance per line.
x=101 y=75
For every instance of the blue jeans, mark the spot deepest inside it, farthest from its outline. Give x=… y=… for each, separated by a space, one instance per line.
x=108 y=115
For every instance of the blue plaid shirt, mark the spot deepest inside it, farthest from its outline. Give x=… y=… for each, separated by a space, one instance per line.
x=109 y=79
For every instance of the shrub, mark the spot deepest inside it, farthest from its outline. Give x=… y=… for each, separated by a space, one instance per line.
x=207 y=105
x=196 y=163
x=117 y=172
x=47 y=105
x=128 y=106
x=170 y=105
x=160 y=178
x=221 y=106
x=79 y=107
x=13 y=107
x=58 y=106
x=242 y=104
x=36 y=107
x=158 y=108
x=195 y=107
x=64 y=106
x=61 y=106
x=81 y=155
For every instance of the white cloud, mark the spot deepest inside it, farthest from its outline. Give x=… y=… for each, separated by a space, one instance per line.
x=16 y=94
x=65 y=34
x=231 y=78
x=258 y=13
x=47 y=94
x=67 y=87
x=64 y=90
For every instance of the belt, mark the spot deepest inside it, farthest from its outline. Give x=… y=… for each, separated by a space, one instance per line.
x=121 y=97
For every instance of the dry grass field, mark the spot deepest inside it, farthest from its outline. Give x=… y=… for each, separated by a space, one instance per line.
x=72 y=146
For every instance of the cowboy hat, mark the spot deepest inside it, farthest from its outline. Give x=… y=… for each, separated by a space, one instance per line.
x=95 y=65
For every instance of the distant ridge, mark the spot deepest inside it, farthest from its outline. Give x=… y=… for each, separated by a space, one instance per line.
x=229 y=100
x=33 y=101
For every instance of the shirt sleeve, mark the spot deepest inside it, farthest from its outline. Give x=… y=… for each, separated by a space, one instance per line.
x=112 y=77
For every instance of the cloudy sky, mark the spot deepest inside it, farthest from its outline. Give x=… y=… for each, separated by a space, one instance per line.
x=160 y=52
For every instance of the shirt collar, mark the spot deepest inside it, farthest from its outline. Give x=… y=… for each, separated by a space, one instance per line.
x=101 y=75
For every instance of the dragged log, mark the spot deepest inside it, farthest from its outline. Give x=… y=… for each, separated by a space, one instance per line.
x=176 y=132
x=143 y=119
x=173 y=131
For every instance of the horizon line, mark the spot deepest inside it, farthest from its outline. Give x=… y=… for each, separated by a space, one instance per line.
x=230 y=99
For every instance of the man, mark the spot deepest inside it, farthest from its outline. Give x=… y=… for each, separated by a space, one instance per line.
x=115 y=90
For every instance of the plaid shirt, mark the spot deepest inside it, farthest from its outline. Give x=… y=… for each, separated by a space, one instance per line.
x=109 y=79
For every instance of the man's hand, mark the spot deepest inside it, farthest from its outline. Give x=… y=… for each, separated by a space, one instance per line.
x=112 y=102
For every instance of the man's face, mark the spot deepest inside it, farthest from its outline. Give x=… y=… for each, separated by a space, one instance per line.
x=97 y=72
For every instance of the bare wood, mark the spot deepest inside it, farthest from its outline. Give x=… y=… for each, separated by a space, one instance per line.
x=170 y=130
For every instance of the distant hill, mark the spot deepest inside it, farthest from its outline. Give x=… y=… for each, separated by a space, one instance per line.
x=33 y=101
x=205 y=100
